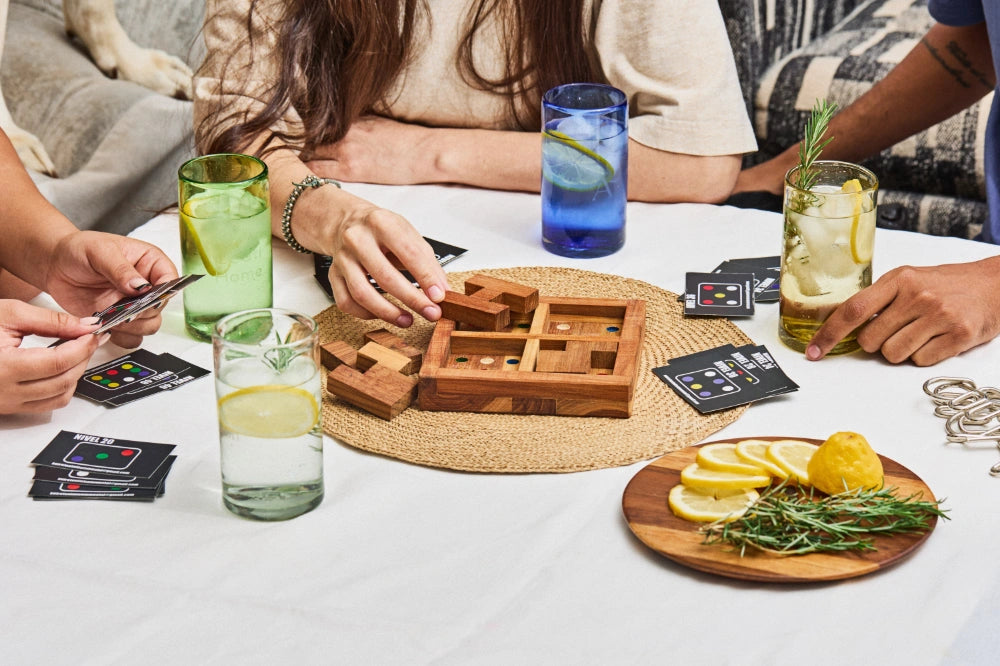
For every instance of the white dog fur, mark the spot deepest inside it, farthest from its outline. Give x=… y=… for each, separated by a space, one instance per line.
x=94 y=22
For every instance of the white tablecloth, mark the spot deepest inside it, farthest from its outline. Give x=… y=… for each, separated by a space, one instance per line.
x=404 y=564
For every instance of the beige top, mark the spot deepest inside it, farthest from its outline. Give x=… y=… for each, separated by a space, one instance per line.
x=672 y=59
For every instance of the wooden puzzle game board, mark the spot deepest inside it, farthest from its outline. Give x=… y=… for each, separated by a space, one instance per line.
x=564 y=357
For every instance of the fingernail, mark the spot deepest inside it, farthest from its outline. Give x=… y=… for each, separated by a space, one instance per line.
x=435 y=293
x=813 y=352
x=404 y=320
x=431 y=313
x=90 y=321
x=139 y=284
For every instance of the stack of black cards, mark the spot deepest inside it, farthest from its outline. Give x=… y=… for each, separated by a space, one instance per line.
x=732 y=288
x=78 y=466
x=725 y=377
x=135 y=376
x=444 y=253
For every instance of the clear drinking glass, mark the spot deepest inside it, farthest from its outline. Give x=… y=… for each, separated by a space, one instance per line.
x=267 y=382
x=829 y=238
x=584 y=169
x=225 y=227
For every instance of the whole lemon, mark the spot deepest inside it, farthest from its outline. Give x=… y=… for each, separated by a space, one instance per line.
x=845 y=461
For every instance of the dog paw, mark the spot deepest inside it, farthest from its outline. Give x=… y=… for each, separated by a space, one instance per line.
x=156 y=70
x=31 y=151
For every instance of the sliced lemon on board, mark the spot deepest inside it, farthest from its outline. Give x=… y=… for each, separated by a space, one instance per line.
x=793 y=456
x=722 y=457
x=207 y=222
x=696 y=476
x=269 y=411
x=862 y=232
x=572 y=166
x=754 y=451
x=706 y=506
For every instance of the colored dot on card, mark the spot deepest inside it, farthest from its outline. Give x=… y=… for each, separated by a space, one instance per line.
x=112 y=372
x=105 y=381
x=83 y=473
x=102 y=456
x=135 y=368
x=144 y=373
x=707 y=301
x=77 y=458
x=705 y=394
x=127 y=366
x=96 y=378
x=696 y=386
x=720 y=380
x=688 y=378
x=720 y=295
x=710 y=373
x=731 y=302
x=731 y=287
x=113 y=384
x=117 y=489
x=708 y=287
x=128 y=379
x=73 y=486
x=128 y=452
x=727 y=389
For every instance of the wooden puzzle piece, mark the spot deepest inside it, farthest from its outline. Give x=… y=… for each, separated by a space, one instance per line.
x=397 y=344
x=373 y=353
x=337 y=353
x=379 y=390
x=518 y=297
x=476 y=312
x=577 y=358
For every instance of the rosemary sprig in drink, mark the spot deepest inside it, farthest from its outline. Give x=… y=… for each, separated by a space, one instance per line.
x=787 y=520
x=812 y=141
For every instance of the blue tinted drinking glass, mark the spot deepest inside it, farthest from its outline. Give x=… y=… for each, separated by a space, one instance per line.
x=584 y=169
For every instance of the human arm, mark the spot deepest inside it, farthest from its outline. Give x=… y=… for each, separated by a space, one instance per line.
x=948 y=70
x=41 y=379
x=385 y=151
x=924 y=314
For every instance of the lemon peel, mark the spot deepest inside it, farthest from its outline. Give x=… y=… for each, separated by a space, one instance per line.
x=696 y=476
x=706 y=506
x=792 y=455
x=722 y=457
x=754 y=451
x=862 y=236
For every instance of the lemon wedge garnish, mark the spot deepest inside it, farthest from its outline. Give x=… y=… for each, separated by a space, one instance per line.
x=705 y=506
x=269 y=411
x=209 y=222
x=696 y=476
x=862 y=236
x=572 y=166
x=792 y=455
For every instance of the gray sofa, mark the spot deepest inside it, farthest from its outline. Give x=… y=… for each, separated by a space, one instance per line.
x=790 y=52
x=116 y=146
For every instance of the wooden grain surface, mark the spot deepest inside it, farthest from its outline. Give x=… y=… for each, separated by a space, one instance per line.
x=651 y=520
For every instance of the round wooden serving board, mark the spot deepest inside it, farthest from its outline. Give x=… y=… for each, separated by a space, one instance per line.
x=651 y=519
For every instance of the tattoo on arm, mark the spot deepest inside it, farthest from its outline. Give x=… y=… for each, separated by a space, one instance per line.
x=963 y=68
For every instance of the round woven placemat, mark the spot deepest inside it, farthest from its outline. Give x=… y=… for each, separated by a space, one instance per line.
x=660 y=420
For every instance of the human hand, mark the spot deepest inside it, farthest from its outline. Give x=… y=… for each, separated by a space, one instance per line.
x=378 y=150
x=90 y=270
x=377 y=242
x=924 y=314
x=767 y=176
x=42 y=379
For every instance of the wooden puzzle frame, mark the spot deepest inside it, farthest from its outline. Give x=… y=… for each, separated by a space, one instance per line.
x=569 y=357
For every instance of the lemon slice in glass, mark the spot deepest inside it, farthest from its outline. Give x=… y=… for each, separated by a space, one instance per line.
x=572 y=166
x=270 y=411
x=862 y=233
x=207 y=222
x=722 y=457
x=696 y=476
x=754 y=451
x=793 y=456
x=706 y=506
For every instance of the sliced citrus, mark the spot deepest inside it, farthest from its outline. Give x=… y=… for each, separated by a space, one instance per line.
x=270 y=411
x=862 y=228
x=792 y=455
x=706 y=506
x=754 y=451
x=207 y=223
x=572 y=166
x=722 y=457
x=845 y=461
x=696 y=476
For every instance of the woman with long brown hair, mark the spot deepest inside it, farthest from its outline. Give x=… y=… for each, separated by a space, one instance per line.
x=435 y=91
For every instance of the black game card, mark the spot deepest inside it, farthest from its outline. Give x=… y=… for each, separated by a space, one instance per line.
x=766 y=272
x=724 y=377
x=63 y=490
x=444 y=252
x=134 y=376
x=718 y=295
x=104 y=455
x=86 y=477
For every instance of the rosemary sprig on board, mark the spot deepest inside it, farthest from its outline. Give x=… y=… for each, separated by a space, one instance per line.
x=812 y=141
x=787 y=520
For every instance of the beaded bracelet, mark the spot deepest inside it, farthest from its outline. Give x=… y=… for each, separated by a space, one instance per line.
x=286 y=215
